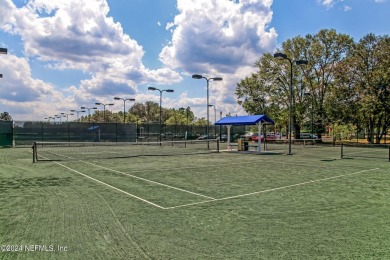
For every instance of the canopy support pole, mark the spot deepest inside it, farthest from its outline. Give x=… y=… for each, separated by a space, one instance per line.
x=228 y=136
x=259 y=139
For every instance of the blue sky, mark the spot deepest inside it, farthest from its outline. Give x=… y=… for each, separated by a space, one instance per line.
x=66 y=54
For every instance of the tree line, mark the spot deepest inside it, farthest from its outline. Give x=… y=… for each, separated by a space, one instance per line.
x=148 y=112
x=345 y=85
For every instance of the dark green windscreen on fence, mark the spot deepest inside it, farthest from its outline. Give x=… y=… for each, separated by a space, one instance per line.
x=6 y=133
x=27 y=132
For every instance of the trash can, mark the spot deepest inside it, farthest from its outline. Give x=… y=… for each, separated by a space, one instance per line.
x=246 y=146
x=240 y=144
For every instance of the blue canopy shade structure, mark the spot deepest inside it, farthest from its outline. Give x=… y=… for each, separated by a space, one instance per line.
x=245 y=120
x=258 y=120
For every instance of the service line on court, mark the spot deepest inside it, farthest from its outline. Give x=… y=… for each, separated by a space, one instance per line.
x=108 y=185
x=139 y=178
x=269 y=190
x=146 y=180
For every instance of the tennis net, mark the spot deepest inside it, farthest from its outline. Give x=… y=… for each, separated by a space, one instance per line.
x=65 y=151
x=368 y=151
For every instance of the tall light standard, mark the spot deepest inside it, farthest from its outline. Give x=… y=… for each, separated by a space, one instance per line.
x=124 y=106
x=77 y=112
x=67 y=116
x=197 y=76
x=59 y=116
x=215 y=119
x=48 y=119
x=282 y=56
x=104 y=109
x=3 y=51
x=89 y=109
x=312 y=112
x=161 y=91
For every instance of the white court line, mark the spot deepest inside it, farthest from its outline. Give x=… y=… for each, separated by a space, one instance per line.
x=136 y=177
x=269 y=190
x=143 y=179
x=140 y=178
x=108 y=185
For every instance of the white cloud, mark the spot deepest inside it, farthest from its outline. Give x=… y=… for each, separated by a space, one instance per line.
x=215 y=38
x=331 y=3
x=218 y=35
x=380 y=1
x=24 y=96
x=220 y=38
x=327 y=3
x=73 y=34
x=347 y=8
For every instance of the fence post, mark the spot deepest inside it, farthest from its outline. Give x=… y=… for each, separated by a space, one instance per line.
x=342 y=150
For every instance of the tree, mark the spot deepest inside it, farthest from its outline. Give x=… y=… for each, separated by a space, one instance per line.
x=325 y=50
x=148 y=112
x=181 y=116
x=5 y=116
x=270 y=85
x=364 y=80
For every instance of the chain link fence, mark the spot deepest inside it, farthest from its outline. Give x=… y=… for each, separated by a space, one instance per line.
x=27 y=132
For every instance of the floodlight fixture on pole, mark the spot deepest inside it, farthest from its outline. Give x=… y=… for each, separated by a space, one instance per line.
x=198 y=76
x=124 y=106
x=282 y=56
x=161 y=91
x=104 y=108
x=77 y=112
x=58 y=116
x=1 y=75
x=67 y=116
x=89 y=114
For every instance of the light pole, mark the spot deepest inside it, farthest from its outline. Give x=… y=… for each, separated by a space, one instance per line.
x=161 y=91
x=77 y=112
x=312 y=113
x=124 y=106
x=215 y=120
x=3 y=51
x=282 y=56
x=59 y=116
x=89 y=109
x=197 y=76
x=48 y=119
x=104 y=109
x=67 y=116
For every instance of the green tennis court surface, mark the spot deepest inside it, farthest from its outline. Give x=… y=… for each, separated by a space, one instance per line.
x=198 y=206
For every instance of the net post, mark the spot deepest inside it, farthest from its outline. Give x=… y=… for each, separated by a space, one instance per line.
x=34 y=152
x=389 y=153
x=342 y=151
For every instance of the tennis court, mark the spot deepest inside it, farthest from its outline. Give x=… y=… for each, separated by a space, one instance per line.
x=195 y=203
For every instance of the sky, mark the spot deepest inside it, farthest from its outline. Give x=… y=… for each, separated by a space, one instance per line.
x=66 y=54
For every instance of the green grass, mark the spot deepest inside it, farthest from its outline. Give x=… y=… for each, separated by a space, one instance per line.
x=219 y=206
